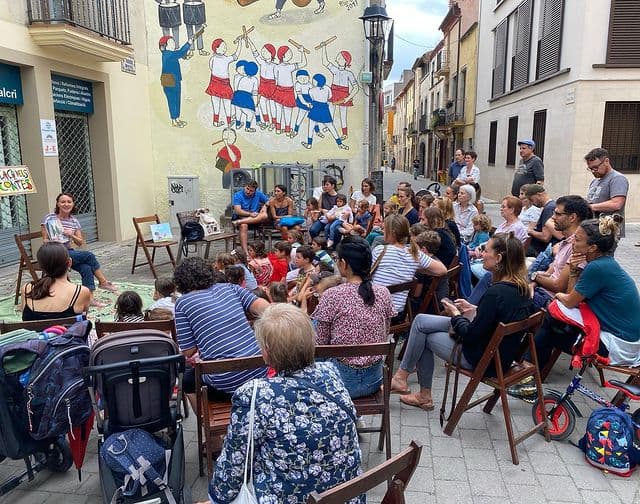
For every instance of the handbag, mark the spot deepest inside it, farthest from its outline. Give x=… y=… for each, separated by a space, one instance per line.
x=208 y=222
x=375 y=265
x=247 y=494
x=167 y=80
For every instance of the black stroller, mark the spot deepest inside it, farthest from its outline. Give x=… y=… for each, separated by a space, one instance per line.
x=135 y=381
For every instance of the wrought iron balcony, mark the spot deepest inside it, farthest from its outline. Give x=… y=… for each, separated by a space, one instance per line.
x=455 y=113
x=97 y=27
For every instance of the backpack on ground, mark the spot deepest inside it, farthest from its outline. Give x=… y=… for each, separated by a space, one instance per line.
x=139 y=463
x=56 y=396
x=608 y=442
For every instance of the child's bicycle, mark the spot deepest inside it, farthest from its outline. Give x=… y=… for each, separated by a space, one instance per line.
x=561 y=411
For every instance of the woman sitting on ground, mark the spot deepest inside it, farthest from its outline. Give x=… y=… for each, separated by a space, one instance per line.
x=305 y=436
x=507 y=300
x=354 y=313
x=53 y=296
x=61 y=226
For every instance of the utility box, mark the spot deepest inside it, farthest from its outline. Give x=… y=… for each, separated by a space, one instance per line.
x=184 y=195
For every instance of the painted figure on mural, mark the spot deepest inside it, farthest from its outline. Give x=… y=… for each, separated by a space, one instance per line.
x=284 y=95
x=228 y=157
x=170 y=19
x=280 y=4
x=219 y=85
x=320 y=114
x=266 y=59
x=344 y=87
x=245 y=95
x=303 y=101
x=195 y=18
x=171 y=76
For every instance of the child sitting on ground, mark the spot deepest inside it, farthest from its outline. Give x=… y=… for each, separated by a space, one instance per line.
x=164 y=295
x=129 y=307
x=304 y=267
x=278 y=292
x=340 y=213
x=259 y=263
x=388 y=208
x=319 y=246
x=279 y=259
x=295 y=239
x=234 y=274
x=240 y=258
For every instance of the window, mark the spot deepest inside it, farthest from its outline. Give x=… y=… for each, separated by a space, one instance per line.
x=621 y=135
x=462 y=93
x=522 y=45
x=499 y=75
x=623 y=46
x=512 y=140
x=493 y=135
x=539 y=128
x=550 y=38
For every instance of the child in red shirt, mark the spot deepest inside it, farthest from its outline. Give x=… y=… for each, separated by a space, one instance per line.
x=279 y=259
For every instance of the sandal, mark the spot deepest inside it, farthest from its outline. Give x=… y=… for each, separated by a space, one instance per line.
x=417 y=401
x=398 y=389
x=108 y=286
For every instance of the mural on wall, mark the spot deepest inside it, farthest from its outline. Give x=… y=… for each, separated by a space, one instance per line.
x=249 y=85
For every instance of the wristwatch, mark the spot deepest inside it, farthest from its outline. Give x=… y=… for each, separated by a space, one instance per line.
x=533 y=276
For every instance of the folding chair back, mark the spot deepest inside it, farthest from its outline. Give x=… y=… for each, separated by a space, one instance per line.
x=35 y=325
x=398 y=470
x=405 y=324
x=147 y=244
x=27 y=261
x=166 y=326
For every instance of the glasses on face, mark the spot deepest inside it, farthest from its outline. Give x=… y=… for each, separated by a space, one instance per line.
x=557 y=214
x=596 y=166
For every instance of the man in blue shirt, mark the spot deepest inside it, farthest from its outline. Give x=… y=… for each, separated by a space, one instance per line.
x=457 y=165
x=249 y=209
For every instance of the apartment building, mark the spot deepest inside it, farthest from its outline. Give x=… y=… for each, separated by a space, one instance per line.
x=567 y=74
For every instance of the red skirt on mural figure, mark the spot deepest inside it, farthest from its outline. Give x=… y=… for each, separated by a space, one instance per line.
x=219 y=87
x=284 y=96
x=223 y=161
x=340 y=93
x=267 y=88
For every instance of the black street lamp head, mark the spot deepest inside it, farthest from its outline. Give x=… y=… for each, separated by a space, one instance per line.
x=374 y=21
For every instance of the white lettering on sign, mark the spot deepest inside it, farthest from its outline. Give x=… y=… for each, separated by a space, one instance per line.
x=8 y=93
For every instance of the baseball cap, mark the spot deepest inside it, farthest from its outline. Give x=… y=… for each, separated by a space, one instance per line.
x=532 y=189
x=528 y=142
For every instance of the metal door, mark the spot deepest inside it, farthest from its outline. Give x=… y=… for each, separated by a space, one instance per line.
x=76 y=173
x=13 y=209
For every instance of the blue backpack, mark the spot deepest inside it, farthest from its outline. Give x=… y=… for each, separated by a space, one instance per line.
x=138 y=462
x=608 y=442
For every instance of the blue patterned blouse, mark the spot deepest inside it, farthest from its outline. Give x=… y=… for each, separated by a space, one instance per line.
x=304 y=441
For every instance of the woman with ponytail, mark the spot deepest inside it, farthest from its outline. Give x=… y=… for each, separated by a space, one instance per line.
x=53 y=296
x=354 y=313
x=507 y=300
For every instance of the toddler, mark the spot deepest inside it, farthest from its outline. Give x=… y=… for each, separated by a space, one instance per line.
x=361 y=220
x=163 y=295
x=235 y=275
x=240 y=258
x=279 y=259
x=481 y=228
x=311 y=212
x=319 y=246
x=340 y=213
x=259 y=263
x=129 y=307
x=295 y=239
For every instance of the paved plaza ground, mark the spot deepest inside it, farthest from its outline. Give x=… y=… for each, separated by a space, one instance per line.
x=472 y=466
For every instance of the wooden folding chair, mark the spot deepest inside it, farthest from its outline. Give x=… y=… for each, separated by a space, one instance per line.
x=398 y=470
x=504 y=379
x=453 y=274
x=213 y=417
x=404 y=325
x=35 y=325
x=378 y=402
x=167 y=326
x=146 y=244
x=27 y=261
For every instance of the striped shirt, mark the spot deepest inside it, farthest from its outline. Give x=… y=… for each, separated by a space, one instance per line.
x=214 y=321
x=52 y=223
x=397 y=266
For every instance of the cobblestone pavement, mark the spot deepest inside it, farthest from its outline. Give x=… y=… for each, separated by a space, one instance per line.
x=472 y=466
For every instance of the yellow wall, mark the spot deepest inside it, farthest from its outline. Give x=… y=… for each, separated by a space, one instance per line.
x=468 y=60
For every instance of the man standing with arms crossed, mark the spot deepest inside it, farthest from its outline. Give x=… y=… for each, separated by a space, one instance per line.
x=530 y=170
x=457 y=165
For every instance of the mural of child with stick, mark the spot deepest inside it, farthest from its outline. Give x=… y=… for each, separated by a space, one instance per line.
x=228 y=157
x=267 y=86
x=344 y=86
x=219 y=85
x=171 y=76
x=245 y=95
x=284 y=95
x=320 y=114
x=303 y=101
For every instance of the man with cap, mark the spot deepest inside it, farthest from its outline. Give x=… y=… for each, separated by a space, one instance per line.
x=543 y=231
x=607 y=192
x=171 y=76
x=530 y=170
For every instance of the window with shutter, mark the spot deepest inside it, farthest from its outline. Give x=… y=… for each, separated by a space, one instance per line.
x=522 y=45
x=493 y=135
x=499 y=77
x=550 y=38
x=539 y=130
x=621 y=135
x=623 y=47
x=512 y=141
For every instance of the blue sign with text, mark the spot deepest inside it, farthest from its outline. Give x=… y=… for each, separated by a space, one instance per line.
x=72 y=95
x=10 y=85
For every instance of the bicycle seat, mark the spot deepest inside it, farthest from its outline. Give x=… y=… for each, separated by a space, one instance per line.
x=631 y=391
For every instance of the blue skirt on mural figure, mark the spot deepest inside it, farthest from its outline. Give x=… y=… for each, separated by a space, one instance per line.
x=320 y=112
x=302 y=105
x=243 y=99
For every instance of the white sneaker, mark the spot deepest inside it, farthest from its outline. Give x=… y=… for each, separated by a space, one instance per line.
x=329 y=243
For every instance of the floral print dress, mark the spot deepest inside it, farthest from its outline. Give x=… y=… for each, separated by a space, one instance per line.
x=305 y=440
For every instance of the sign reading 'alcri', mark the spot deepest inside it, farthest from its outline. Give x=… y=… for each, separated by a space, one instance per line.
x=16 y=180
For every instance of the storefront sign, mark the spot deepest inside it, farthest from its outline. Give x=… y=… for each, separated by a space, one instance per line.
x=10 y=85
x=128 y=65
x=16 y=180
x=72 y=95
x=49 y=137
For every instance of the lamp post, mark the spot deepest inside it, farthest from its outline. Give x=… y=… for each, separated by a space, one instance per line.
x=375 y=22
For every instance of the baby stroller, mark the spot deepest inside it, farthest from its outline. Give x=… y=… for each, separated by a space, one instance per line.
x=135 y=381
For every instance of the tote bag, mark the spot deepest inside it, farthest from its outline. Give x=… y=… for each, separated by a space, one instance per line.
x=247 y=493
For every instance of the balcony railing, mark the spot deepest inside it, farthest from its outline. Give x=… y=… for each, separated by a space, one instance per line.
x=106 y=18
x=455 y=111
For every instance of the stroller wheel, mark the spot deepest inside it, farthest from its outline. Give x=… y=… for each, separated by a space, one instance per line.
x=562 y=423
x=59 y=458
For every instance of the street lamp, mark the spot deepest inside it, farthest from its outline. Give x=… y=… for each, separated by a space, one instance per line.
x=375 y=22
